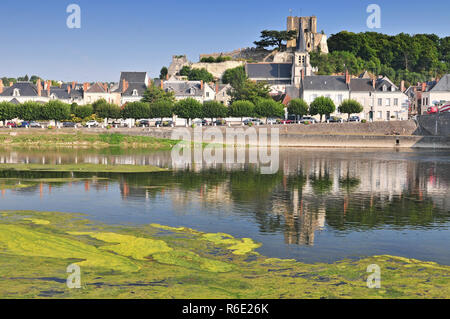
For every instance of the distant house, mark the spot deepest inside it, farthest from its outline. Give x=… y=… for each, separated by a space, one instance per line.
x=132 y=86
x=276 y=75
x=334 y=87
x=381 y=98
x=436 y=93
x=21 y=92
x=222 y=95
x=197 y=90
x=99 y=91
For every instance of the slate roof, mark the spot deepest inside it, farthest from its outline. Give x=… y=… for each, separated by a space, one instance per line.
x=25 y=89
x=292 y=91
x=385 y=81
x=361 y=85
x=269 y=71
x=325 y=83
x=184 y=88
x=136 y=81
x=15 y=101
x=442 y=85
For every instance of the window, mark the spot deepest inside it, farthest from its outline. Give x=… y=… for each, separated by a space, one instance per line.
x=16 y=92
x=384 y=87
x=135 y=92
x=396 y=102
x=380 y=115
x=388 y=102
x=207 y=94
x=380 y=102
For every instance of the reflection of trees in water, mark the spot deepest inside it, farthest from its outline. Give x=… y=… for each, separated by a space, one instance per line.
x=296 y=202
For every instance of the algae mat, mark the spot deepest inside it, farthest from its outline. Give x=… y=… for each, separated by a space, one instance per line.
x=155 y=261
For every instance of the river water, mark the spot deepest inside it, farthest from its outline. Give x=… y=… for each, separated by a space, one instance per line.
x=322 y=205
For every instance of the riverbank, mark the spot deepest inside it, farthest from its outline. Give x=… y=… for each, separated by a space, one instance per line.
x=154 y=261
x=395 y=134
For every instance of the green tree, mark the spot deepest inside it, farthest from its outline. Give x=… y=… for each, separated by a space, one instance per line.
x=8 y=111
x=30 y=111
x=322 y=106
x=236 y=76
x=267 y=108
x=154 y=94
x=108 y=111
x=161 y=109
x=200 y=75
x=273 y=38
x=97 y=103
x=298 y=107
x=241 y=109
x=188 y=109
x=83 y=111
x=163 y=73
x=136 y=110
x=214 y=109
x=350 y=107
x=56 y=110
x=249 y=91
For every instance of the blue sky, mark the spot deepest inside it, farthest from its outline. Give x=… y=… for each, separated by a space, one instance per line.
x=131 y=35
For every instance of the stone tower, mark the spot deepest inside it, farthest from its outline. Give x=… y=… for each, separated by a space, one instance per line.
x=301 y=64
x=314 y=41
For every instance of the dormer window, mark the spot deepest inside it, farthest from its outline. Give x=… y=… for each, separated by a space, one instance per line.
x=384 y=88
x=16 y=92
x=53 y=97
x=135 y=92
x=392 y=88
x=192 y=91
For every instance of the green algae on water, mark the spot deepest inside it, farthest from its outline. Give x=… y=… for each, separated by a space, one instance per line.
x=145 y=262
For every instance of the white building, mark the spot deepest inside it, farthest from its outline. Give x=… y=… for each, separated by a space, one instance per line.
x=438 y=94
x=197 y=90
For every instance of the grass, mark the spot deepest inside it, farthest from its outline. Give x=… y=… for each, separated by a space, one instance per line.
x=154 y=261
x=80 y=139
x=82 y=167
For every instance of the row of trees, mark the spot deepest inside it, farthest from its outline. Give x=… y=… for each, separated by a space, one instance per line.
x=323 y=106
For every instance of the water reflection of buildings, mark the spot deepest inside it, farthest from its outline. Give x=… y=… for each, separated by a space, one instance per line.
x=299 y=201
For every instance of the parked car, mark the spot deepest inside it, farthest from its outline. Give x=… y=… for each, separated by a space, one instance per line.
x=272 y=121
x=91 y=123
x=144 y=123
x=220 y=122
x=287 y=121
x=253 y=122
x=334 y=119
x=11 y=124
x=119 y=122
x=354 y=119
x=34 y=124
x=202 y=122
x=433 y=110
x=69 y=124
x=24 y=124
x=164 y=123
x=307 y=119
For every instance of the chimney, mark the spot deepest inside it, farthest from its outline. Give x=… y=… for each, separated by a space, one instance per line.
x=73 y=85
x=48 y=87
x=402 y=86
x=303 y=74
x=201 y=85
x=167 y=76
x=85 y=86
x=1 y=86
x=68 y=89
x=162 y=85
x=347 y=77
x=217 y=88
x=124 y=86
x=39 y=87
x=424 y=87
x=11 y=83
